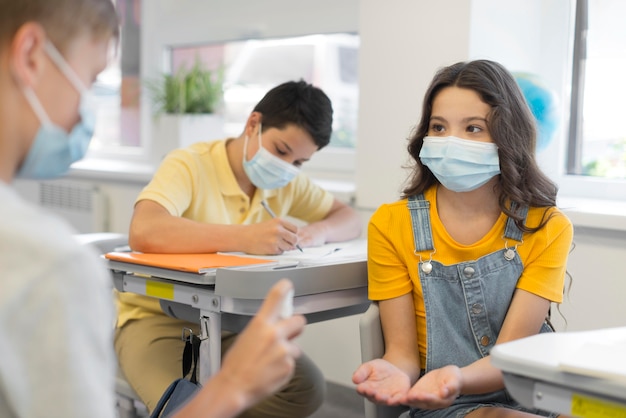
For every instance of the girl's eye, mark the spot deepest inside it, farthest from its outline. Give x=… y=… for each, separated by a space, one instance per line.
x=281 y=152
x=474 y=129
x=435 y=127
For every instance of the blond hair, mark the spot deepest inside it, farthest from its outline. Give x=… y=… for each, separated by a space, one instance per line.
x=63 y=20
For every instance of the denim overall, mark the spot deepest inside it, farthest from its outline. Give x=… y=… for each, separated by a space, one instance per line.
x=465 y=306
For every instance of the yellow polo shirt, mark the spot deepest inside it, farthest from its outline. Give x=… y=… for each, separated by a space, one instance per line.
x=392 y=264
x=198 y=183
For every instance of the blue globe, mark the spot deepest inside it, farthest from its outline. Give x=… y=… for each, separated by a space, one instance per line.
x=543 y=103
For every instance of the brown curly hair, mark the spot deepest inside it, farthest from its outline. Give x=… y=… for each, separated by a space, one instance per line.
x=512 y=128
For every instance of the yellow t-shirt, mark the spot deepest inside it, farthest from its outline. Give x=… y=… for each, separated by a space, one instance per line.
x=392 y=263
x=198 y=183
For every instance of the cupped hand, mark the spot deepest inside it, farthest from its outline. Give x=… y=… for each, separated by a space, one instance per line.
x=436 y=389
x=381 y=382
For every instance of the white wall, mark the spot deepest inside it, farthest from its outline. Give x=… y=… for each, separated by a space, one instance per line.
x=402 y=43
x=405 y=42
x=595 y=296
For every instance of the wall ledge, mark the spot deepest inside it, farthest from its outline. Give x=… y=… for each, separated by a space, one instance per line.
x=595 y=213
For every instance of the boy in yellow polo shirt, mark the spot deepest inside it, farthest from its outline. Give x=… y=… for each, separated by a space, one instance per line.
x=207 y=198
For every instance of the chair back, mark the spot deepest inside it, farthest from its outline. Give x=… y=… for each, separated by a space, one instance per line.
x=373 y=347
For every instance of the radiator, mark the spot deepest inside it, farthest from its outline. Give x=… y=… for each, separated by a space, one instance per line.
x=83 y=205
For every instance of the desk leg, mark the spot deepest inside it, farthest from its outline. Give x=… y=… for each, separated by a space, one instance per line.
x=211 y=344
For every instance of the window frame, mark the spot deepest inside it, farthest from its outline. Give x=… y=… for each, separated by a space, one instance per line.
x=579 y=56
x=182 y=30
x=176 y=23
x=572 y=184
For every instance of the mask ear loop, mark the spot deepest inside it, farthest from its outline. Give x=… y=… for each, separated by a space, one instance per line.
x=36 y=105
x=245 y=148
x=87 y=101
x=245 y=145
x=427 y=266
x=509 y=253
x=62 y=64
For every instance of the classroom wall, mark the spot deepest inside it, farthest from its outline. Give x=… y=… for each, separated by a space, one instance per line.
x=402 y=43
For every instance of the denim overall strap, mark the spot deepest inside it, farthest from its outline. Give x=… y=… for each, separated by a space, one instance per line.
x=422 y=233
x=512 y=231
x=465 y=305
x=420 y=219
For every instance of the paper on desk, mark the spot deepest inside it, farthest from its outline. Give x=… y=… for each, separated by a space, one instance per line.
x=598 y=359
x=332 y=253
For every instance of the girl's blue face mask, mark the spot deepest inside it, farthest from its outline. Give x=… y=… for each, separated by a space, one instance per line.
x=265 y=170
x=460 y=165
x=54 y=150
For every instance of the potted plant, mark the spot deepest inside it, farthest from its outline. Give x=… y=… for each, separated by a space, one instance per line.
x=188 y=91
x=185 y=105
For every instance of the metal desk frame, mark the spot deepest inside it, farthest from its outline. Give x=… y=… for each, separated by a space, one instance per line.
x=530 y=368
x=321 y=292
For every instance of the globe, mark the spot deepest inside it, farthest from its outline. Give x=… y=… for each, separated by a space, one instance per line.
x=543 y=103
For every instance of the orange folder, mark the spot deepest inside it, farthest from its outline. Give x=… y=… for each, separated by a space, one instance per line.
x=193 y=263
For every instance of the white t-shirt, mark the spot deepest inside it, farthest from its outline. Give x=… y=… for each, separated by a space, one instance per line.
x=56 y=318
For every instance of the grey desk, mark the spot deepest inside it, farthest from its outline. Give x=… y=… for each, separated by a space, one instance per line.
x=231 y=297
x=534 y=377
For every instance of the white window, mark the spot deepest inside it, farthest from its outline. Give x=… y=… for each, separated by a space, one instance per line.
x=597 y=144
x=587 y=165
x=323 y=52
x=117 y=91
x=252 y=67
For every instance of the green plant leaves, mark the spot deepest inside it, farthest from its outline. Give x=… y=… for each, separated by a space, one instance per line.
x=195 y=90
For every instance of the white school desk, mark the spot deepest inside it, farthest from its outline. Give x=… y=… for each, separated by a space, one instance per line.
x=533 y=372
x=231 y=297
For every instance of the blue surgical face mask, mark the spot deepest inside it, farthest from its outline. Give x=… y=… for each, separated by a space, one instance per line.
x=460 y=165
x=265 y=170
x=54 y=150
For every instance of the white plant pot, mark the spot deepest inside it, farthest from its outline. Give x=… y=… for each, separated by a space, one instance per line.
x=171 y=131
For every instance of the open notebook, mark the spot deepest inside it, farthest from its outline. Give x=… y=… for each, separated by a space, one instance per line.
x=190 y=263
x=333 y=253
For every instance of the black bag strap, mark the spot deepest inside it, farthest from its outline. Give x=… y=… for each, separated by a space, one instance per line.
x=191 y=354
x=179 y=388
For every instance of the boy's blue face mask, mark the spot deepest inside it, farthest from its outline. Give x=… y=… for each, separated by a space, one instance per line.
x=265 y=170
x=460 y=165
x=54 y=150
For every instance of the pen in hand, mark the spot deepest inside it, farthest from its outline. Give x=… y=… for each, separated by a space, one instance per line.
x=273 y=215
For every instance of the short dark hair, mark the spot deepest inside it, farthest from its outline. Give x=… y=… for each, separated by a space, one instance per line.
x=301 y=104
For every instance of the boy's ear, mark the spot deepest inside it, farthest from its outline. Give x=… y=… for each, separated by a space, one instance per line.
x=252 y=123
x=27 y=55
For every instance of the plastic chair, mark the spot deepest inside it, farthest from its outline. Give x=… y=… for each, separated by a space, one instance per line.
x=128 y=403
x=373 y=347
